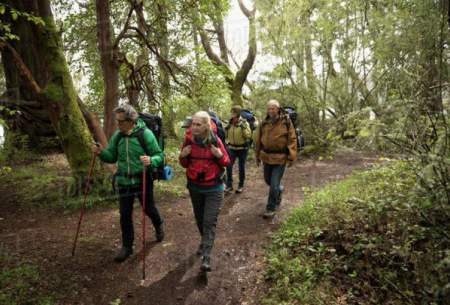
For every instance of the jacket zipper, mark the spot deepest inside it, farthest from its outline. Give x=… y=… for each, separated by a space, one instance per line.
x=234 y=134
x=128 y=161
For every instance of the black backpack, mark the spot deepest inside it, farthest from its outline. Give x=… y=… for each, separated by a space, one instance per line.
x=291 y=112
x=154 y=123
x=219 y=125
x=249 y=117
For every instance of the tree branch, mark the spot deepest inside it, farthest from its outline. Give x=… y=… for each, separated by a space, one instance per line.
x=208 y=48
x=243 y=72
x=218 y=26
x=125 y=28
x=168 y=63
x=248 y=13
x=22 y=67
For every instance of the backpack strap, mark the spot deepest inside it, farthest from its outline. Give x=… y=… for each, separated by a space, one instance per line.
x=140 y=137
x=286 y=123
x=189 y=141
x=118 y=138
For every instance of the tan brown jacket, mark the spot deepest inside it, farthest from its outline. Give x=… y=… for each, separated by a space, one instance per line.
x=276 y=143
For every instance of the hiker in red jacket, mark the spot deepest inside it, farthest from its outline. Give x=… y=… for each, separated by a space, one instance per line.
x=205 y=158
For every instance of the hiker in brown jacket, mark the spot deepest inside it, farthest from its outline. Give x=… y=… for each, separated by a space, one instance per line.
x=276 y=147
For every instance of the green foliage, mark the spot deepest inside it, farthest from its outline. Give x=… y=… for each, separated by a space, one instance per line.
x=19 y=285
x=350 y=56
x=369 y=239
x=12 y=14
x=16 y=148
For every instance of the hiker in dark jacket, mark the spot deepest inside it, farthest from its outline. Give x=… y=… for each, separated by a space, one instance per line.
x=238 y=137
x=125 y=149
x=205 y=158
x=276 y=146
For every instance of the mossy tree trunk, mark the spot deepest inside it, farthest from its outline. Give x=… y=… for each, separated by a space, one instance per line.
x=38 y=71
x=29 y=117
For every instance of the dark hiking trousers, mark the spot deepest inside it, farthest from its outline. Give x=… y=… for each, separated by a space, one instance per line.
x=206 y=208
x=273 y=173
x=126 y=200
x=241 y=155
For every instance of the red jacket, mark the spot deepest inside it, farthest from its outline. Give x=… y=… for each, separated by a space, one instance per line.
x=203 y=168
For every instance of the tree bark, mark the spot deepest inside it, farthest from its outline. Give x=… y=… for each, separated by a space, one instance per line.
x=109 y=60
x=40 y=49
x=164 y=77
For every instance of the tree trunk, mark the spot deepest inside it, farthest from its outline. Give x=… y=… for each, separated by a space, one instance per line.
x=40 y=73
x=109 y=60
x=163 y=43
x=236 y=80
x=31 y=117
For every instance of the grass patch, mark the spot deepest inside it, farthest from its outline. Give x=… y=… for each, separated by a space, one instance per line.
x=362 y=240
x=46 y=182
x=19 y=285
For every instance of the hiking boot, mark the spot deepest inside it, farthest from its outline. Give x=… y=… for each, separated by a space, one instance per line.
x=206 y=264
x=239 y=190
x=199 y=250
x=228 y=189
x=159 y=233
x=268 y=214
x=123 y=254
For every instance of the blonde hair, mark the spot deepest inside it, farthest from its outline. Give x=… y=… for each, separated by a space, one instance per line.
x=205 y=117
x=273 y=103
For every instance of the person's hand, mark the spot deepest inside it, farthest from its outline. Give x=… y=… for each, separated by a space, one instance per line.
x=186 y=151
x=96 y=148
x=258 y=162
x=146 y=160
x=216 y=152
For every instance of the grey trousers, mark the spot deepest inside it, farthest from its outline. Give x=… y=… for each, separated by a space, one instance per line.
x=206 y=208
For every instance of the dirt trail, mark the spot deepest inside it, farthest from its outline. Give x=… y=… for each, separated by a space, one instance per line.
x=91 y=277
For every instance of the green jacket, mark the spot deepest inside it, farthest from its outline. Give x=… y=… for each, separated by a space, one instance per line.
x=238 y=136
x=126 y=153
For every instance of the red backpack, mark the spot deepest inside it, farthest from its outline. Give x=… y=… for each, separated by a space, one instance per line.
x=203 y=168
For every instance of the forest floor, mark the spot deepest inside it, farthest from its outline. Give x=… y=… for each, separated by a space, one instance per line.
x=44 y=237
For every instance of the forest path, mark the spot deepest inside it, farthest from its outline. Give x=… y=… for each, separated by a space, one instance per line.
x=45 y=238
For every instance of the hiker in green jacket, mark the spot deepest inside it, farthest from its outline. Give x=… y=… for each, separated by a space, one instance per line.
x=124 y=148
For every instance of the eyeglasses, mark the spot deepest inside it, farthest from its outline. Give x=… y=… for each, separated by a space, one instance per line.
x=122 y=121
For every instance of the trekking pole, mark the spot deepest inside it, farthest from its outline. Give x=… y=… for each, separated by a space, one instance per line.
x=144 y=195
x=86 y=191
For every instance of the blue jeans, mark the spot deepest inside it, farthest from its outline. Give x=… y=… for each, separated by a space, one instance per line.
x=241 y=154
x=273 y=173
